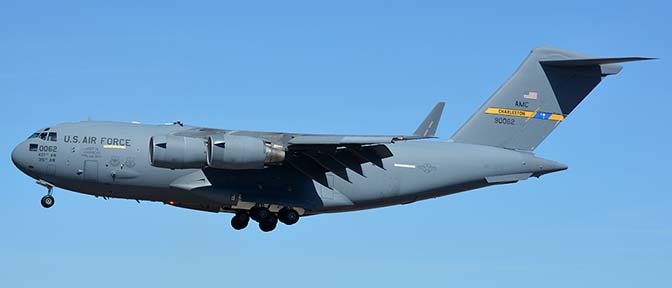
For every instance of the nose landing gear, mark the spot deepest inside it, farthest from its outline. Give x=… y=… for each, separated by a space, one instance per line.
x=48 y=200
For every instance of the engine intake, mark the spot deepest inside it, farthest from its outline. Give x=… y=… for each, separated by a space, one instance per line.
x=177 y=152
x=242 y=152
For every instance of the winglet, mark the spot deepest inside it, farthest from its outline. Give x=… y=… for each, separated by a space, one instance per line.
x=428 y=127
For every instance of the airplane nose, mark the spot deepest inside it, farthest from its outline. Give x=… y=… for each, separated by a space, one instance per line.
x=15 y=156
x=18 y=158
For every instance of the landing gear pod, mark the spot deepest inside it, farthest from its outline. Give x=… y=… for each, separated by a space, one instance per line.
x=241 y=152
x=177 y=152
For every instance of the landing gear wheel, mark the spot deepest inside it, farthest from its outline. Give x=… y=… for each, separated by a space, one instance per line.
x=260 y=214
x=240 y=221
x=269 y=224
x=263 y=215
x=288 y=216
x=47 y=201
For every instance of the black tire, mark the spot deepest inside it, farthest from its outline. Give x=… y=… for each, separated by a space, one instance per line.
x=288 y=216
x=243 y=216
x=47 y=201
x=240 y=220
x=269 y=224
x=263 y=214
x=253 y=213
x=259 y=214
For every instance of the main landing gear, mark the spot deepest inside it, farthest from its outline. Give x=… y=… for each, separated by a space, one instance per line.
x=48 y=200
x=267 y=220
x=240 y=221
x=288 y=216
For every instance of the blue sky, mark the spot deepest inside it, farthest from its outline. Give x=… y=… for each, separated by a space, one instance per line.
x=365 y=67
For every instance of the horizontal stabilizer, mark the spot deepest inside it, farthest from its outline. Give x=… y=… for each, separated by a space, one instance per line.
x=608 y=66
x=592 y=61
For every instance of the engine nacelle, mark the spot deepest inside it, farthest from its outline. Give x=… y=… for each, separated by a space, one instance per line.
x=177 y=152
x=242 y=152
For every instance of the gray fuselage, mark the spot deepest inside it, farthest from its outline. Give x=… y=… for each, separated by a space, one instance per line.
x=111 y=159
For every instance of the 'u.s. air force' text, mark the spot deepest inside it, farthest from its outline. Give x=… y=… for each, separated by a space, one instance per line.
x=97 y=140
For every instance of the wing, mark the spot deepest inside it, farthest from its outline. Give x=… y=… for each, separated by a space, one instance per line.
x=315 y=161
x=315 y=155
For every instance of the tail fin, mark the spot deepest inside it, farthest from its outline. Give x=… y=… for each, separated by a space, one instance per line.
x=539 y=95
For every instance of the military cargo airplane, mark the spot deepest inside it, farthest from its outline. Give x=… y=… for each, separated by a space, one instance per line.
x=274 y=176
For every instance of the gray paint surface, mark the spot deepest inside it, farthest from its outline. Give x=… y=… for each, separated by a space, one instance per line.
x=330 y=173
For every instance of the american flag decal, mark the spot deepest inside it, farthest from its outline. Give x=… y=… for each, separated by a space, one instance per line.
x=531 y=95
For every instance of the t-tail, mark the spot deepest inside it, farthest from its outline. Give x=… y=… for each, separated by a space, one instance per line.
x=544 y=90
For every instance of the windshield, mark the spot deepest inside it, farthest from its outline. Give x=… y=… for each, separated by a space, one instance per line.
x=46 y=136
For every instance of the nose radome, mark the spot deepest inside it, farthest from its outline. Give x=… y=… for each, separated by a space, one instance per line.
x=18 y=157
x=15 y=156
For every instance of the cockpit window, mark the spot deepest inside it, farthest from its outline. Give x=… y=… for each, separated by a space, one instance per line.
x=46 y=136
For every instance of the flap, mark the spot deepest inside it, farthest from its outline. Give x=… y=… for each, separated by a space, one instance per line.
x=340 y=140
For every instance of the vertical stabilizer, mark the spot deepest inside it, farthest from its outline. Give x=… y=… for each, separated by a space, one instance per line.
x=544 y=90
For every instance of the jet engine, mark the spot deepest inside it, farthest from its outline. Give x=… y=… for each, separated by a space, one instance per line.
x=242 y=152
x=177 y=152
